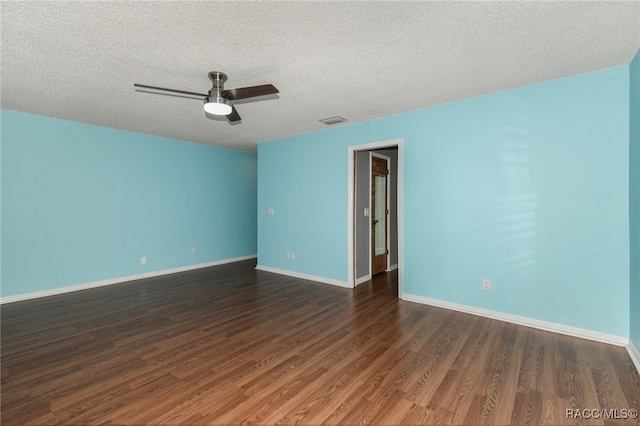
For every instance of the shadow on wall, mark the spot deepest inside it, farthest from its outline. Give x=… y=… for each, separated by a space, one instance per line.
x=516 y=206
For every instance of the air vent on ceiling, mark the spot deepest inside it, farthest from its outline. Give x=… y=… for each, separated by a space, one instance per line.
x=333 y=120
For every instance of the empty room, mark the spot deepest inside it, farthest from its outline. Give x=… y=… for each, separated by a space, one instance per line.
x=323 y=212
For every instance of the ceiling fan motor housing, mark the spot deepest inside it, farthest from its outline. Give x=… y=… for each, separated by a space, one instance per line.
x=217 y=79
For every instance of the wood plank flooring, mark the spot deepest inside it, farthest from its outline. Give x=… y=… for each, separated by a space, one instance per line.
x=231 y=345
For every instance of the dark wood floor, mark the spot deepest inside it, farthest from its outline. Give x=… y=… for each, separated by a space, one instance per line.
x=229 y=345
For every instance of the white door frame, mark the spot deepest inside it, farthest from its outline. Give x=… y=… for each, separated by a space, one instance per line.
x=351 y=199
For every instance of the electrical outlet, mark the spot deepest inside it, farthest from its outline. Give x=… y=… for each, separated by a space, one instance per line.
x=194 y=250
x=143 y=260
x=293 y=256
x=287 y=255
x=486 y=284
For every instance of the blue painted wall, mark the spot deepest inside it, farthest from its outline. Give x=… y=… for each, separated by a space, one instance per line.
x=528 y=187
x=82 y=203
x=634 y=199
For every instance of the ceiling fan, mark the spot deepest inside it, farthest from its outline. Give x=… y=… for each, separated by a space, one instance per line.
x=216 y=101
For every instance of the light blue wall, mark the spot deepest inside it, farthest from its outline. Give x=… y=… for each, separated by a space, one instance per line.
x=528 y=187
x=634 y=199
x=82 y=203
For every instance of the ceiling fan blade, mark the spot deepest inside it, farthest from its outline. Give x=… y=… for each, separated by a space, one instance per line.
x=170 y=90
x=233 y=115
x=249 y=92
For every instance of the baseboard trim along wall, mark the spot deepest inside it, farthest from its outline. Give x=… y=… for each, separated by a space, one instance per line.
x=516 y=319
x=111 y=281
x=634 y=354
x=363 y=279
x=324 y=280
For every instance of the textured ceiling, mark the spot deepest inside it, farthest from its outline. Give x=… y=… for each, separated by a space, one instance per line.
x=360 y=60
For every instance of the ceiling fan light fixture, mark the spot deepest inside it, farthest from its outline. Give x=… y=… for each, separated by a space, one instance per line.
x=218 y=100
x=217 y=105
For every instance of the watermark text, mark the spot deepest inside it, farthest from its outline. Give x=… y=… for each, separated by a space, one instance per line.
x=602 y=413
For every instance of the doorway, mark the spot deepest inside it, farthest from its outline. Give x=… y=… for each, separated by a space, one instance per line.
x=361 y=213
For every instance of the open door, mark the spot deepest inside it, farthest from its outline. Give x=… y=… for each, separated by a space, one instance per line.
x=379 y=213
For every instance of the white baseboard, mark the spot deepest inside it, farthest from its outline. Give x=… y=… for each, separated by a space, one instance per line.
x=300 y=275
x=634 y=354
x=101 y=283
x=363 y=279
x=367 y=277
x=528 y=322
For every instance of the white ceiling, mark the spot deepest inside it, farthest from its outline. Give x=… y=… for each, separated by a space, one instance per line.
x=360 y=60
